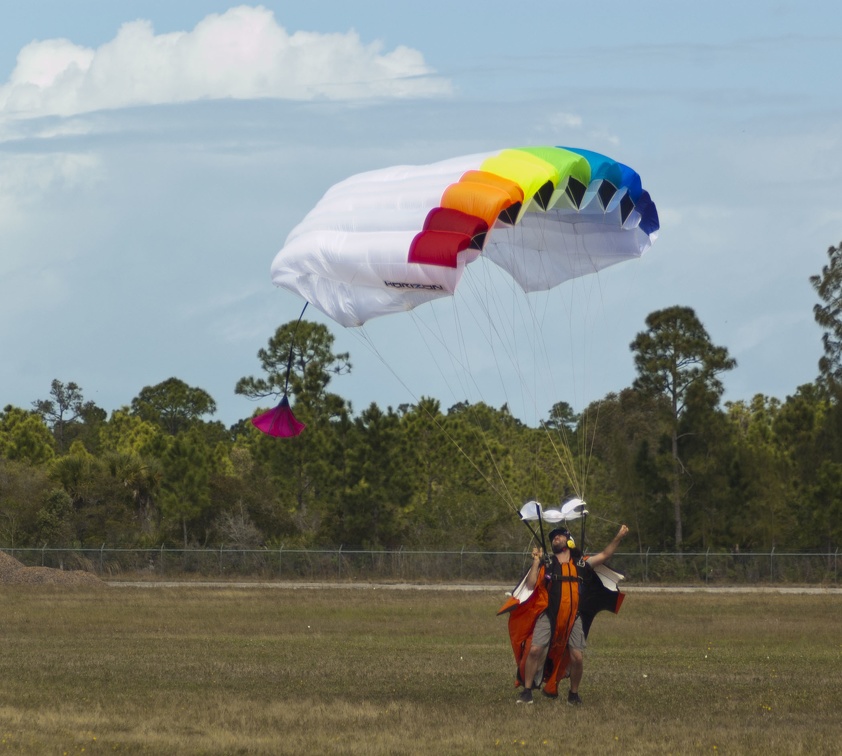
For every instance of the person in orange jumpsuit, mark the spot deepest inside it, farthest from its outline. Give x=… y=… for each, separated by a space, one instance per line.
x=540 y=626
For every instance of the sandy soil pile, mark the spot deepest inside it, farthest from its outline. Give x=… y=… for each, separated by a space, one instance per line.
x=12 y=572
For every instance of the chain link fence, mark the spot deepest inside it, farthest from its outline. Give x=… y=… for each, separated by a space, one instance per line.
x=403 y=565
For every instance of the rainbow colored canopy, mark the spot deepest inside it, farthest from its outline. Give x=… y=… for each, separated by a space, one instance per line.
x=389 y=240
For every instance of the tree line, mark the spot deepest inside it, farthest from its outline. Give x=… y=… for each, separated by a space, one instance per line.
x=665 y=455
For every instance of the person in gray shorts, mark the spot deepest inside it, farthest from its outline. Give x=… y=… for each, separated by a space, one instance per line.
x=531 y=664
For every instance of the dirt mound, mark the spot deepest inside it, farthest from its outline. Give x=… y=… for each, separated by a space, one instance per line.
x=12 y=572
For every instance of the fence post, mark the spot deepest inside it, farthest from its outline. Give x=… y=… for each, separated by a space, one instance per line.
x=646 y=565
x=42 y=553
x=339 y=561
x=706 y=564
x=461 y=562
x=161 y=560
x=101 y=549
x=771 y=564
x=281 y=561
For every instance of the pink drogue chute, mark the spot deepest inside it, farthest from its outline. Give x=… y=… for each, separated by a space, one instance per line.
x=279 y=422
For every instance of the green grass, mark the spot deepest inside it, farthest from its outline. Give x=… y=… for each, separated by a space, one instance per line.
x=194 y=670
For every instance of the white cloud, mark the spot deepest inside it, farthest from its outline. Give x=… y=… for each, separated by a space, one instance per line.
x=561 y=124
x=242 y=54
x=754 y=331
x=565 y=121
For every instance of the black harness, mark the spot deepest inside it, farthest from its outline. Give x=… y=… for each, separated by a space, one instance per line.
x=552 y=577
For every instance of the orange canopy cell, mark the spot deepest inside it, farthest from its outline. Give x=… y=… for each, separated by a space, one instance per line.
x=482 y=200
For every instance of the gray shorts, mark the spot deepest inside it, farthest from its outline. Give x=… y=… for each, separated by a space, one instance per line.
x=577 y=641
x=541 y=633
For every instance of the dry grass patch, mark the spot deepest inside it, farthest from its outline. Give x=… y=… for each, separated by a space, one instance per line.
x=260 y=670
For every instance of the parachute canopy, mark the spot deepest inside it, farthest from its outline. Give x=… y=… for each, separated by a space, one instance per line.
x=389 y=240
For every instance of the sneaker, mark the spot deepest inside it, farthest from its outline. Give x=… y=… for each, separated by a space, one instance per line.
x=573 y=699
x=525 y=696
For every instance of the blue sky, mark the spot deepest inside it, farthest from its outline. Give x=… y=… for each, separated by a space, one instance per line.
x=154 y=156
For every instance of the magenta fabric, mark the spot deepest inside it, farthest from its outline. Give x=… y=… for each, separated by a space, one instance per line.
x=279 y=422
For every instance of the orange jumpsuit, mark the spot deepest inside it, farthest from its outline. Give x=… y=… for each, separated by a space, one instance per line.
x=559 y=587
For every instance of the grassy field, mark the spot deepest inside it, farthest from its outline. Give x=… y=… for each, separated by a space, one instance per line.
x=193 y=670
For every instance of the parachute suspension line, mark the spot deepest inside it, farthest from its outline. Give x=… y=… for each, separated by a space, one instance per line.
x=590 y=284
x=500 y=301
x=481 y=284
x=463 y=361
x=586 y=430
x=564 y=450
x=579 y=478
x=588 y=443
x=503 y=493
x=594 y=283
x=587 y=438
x=527 y=311
x=489 y=323
x=462 y=368
x=494 y=294
x=563 y=447
x=564 y=454
x=582 y=532
x=605 y=519
x=292 y=347
x=594 y=295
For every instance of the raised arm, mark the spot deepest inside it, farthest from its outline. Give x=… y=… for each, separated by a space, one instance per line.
x=532 y=575
x=609 y=550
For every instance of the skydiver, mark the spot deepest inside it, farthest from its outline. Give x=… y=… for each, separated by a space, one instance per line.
x=546 y=630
